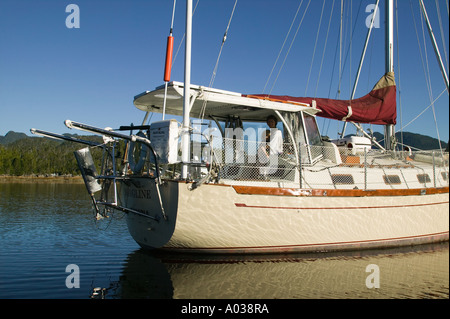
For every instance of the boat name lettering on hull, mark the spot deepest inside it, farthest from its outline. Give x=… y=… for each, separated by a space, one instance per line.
x=143 y=211
x=139 y=193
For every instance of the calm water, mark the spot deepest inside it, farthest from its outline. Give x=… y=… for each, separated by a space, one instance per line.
x=46 y=227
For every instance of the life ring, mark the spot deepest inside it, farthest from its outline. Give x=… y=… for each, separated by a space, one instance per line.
x=137 y=167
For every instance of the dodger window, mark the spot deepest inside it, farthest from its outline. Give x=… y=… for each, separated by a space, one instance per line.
x=314 y=140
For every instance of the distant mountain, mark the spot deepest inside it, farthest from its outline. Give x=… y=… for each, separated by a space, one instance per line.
x=11 y=137
x=419 y=141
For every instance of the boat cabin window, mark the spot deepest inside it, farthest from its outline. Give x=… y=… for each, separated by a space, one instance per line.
x=391 y=179
x=313 y=138
x=342 y=179
x=312 y=131
x=295 y=123
x=251 y=150
x=423 y=178
x=307 y=136
x=246 y=151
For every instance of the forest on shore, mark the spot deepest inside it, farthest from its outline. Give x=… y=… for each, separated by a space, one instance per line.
x=21 y=155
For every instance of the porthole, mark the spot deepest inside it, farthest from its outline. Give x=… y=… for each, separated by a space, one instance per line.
x=342 y=179
x=423 y=178
x=392 y=179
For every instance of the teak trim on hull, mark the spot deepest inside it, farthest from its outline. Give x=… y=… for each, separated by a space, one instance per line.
x=258 y=190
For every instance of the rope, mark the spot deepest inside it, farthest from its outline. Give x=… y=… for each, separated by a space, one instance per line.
x=315 y=46
x=427 y=79
x=173 y=16
x=432 y=103
x=282 y=47
x=430 y=89
x=184 y=35
x=399 y=73
x=340 y=48
x=213 y=76
x=341 y=74
x=290 y=46
x=324 y=49
x=442 y=31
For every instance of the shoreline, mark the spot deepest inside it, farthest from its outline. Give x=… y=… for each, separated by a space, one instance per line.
x=41 y=179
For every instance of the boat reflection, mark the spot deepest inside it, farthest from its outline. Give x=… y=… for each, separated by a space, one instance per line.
x=408 y=272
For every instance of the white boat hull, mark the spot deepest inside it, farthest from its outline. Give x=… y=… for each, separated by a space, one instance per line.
x=231 y=219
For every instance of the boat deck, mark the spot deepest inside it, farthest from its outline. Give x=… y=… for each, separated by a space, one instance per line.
x=345 y=170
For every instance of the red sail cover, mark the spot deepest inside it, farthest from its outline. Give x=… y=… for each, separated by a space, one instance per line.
x=377 y=107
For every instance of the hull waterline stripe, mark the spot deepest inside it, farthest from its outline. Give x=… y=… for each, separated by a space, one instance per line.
x=435 y=237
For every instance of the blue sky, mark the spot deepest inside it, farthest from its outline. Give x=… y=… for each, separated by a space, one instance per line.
x=50 y=73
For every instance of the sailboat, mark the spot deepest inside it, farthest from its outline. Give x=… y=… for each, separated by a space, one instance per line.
x=227 y=186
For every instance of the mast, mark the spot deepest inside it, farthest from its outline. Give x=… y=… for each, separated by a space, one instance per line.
x=185 y=142
x=389 y=60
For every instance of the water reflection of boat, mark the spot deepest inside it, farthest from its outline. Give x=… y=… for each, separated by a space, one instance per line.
x=423 y=270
